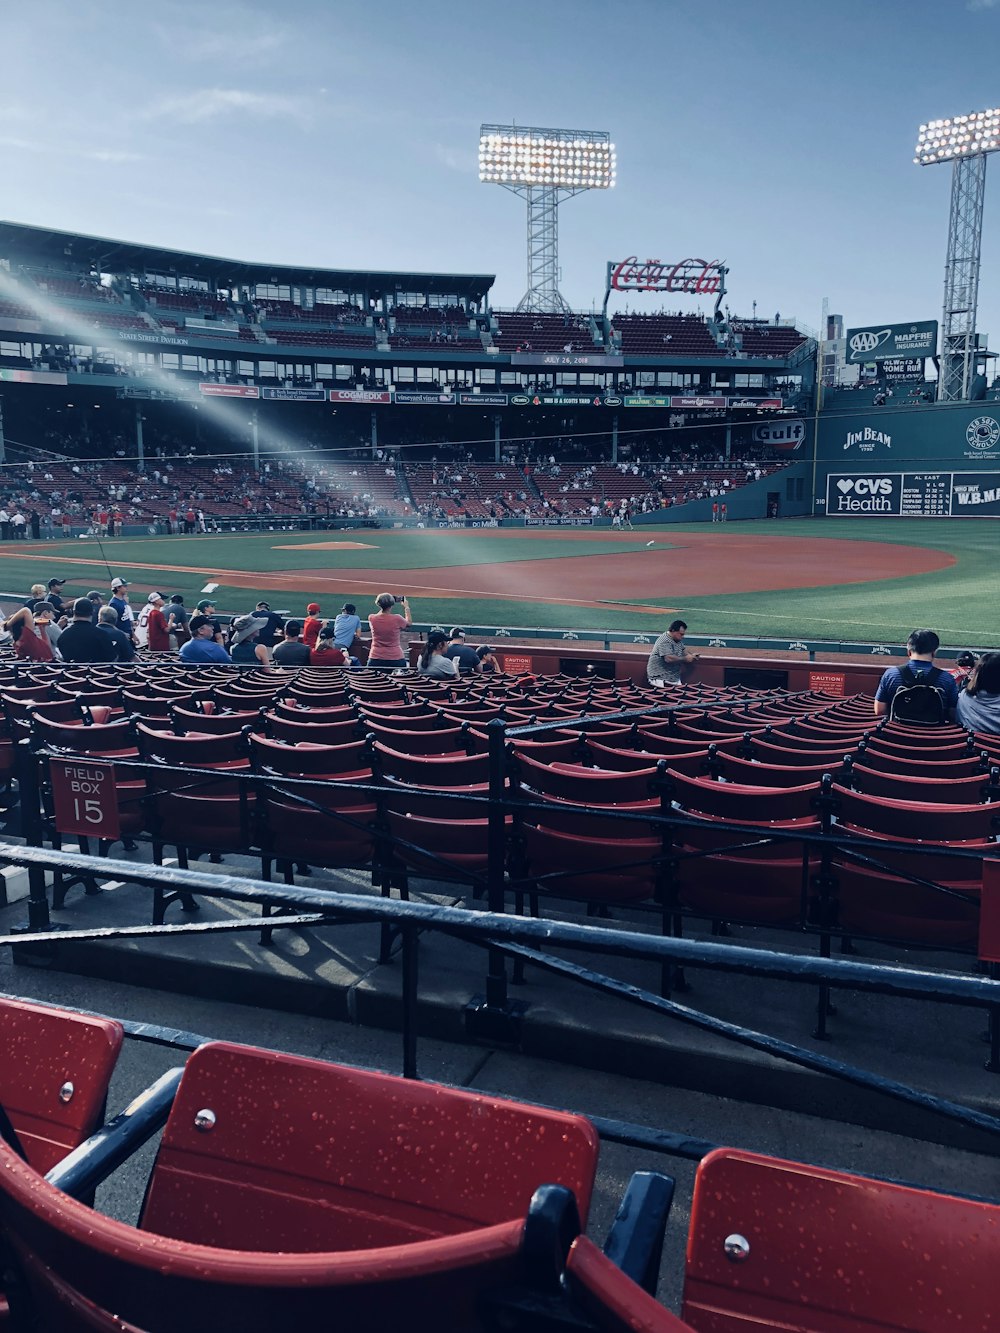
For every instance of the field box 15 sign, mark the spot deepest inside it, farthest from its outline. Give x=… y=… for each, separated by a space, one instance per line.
x=84 y=797
x=880 y=342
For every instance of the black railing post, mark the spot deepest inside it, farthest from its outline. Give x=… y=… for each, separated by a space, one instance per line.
x=411 y=973
x=496 y=1017
x=32 y=828
x=826 y=885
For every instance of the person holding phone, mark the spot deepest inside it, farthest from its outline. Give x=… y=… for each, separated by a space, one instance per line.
x=387 y=626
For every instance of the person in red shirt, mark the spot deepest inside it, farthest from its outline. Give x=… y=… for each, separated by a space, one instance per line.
x=312 y=625
x=325 y=652
x=158 y=636
x=32 y=641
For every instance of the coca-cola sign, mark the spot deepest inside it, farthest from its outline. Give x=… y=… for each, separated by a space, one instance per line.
x=697 y=277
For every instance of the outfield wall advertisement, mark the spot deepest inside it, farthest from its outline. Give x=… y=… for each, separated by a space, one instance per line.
x=916 y=435
x=913 y=494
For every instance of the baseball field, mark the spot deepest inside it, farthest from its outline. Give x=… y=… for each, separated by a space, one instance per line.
x=867 y=579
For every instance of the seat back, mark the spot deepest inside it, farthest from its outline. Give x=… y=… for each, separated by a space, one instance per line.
x=388 y=1161
x=55 y=1068
x=827 y=1252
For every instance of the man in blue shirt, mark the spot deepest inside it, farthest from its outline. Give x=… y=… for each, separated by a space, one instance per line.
x=920 y=647
x=201 y=647
x=466 y=657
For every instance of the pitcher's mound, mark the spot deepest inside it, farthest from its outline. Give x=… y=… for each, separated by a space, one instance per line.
x=326 y=546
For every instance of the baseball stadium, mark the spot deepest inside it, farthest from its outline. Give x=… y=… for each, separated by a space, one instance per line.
x=718 y=817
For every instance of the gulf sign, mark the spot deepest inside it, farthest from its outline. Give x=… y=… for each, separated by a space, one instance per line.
x=783 y=435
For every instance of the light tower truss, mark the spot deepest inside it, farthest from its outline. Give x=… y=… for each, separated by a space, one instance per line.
x=966 y=142
x=545 y=166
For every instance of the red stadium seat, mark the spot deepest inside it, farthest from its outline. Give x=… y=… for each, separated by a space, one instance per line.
x=777 y=1245
x=340 y=1228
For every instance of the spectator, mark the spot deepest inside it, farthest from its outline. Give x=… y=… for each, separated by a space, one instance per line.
x=107 y=624
x=157 y=630
x=244 y=644
x=36 y=595
x=202 y=645
x=96 y=601
x=347 y=629
x=326 y=652
x=669 y=661
x=460 y=652
x=978 y=707
x=82 y=641
x=119 y=601
x=292 y=651
x=964 y=663
x=312 y=625
x=269 y=634
x=434 y=660
x=30 y=630
x=387 y=630
x=177 y=621
x=206 y=607
x=487 y=658
x=55 y=597
x=919 y=670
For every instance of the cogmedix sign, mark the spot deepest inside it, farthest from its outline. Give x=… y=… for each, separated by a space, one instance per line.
x=880 y=342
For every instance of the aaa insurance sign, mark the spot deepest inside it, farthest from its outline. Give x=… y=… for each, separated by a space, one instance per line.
x=863 y=494
x=879 y=342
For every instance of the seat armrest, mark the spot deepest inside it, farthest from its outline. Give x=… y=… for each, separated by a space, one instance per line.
x=79 y=1173
x=635 y=1241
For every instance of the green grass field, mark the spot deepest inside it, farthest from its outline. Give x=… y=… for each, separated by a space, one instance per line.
x=960 y=602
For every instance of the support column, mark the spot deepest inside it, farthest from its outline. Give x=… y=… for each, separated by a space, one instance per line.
x=614 y=438
x=255 y=441
x=138 y=438
x=3 y=447
x=374 y=433
x=961 y=278
x=729 y=440
x=496 y=438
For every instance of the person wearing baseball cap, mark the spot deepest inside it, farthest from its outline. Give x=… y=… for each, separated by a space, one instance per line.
x=206 y=607
x=81 y=640
x=119 y=602
x=157 y=632
x=466 y=657
x=275 y=624
x=201 y=647
x=312 y=625
x=54 y=597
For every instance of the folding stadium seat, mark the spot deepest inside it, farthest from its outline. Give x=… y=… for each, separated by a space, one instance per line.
x=327 y=732
x=692 y=760
x=910 y=786
x=296 y=712
x=201 y=813
x=720 y=875
x=920 y=766
x=431 y=720
x=873 y=900
x=781 y=1245
x=431 y=771
x=747 y=772
x=434 y=740
x=338 y=1229
x=55 y=1068
x=212 y=723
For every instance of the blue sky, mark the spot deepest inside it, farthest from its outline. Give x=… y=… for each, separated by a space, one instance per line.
x=777 y=136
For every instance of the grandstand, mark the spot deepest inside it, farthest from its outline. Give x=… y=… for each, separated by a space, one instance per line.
x=107 y=349
x=763 y=801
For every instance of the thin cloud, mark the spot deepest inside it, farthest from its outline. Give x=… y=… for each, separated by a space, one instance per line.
x=457 y=159
x=238 y=38
x=213 y=103
x=112 y=155
x=975 y=5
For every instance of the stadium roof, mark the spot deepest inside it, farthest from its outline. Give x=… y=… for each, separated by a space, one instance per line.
x=41 y=245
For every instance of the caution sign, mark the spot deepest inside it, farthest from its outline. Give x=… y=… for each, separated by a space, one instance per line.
x=514 y=664
x=84 y=798
x=830 y=682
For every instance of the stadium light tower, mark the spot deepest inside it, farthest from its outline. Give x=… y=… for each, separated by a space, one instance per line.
x=965 y=142
x=543 y=167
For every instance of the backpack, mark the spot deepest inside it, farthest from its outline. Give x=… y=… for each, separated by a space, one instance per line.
x=918 y=701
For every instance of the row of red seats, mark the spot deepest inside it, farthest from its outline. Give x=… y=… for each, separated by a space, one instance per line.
x=338 y=1227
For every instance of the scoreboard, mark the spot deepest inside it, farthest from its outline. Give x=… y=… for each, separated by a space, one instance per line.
x=913 y=494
